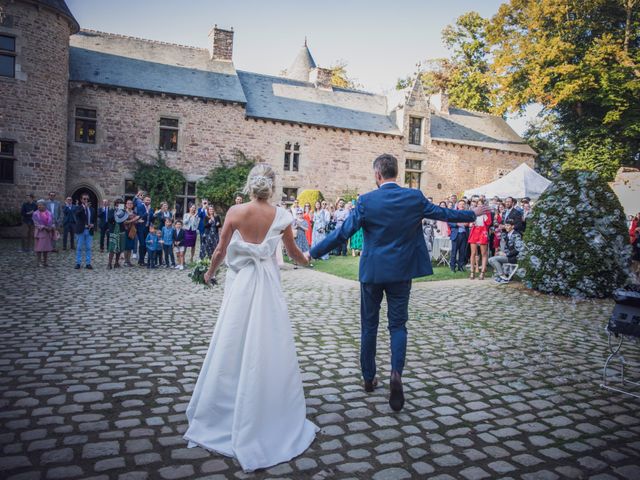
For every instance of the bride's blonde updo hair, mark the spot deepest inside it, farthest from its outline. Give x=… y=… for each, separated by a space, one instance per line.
x=261 y=182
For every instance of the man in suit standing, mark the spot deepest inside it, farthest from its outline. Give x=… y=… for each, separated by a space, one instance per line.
x=105 y=215
x=145 y=212
x=68 y=223
x=55 y=209
x=459 y=234
x=512 y=213
x=393 y=253
x=84 y=231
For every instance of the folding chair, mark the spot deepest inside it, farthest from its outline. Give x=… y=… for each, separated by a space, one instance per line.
x=443 y=258
x=510 y=270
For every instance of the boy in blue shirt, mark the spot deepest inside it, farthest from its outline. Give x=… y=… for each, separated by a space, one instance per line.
x=167 y=243
x=153 y=245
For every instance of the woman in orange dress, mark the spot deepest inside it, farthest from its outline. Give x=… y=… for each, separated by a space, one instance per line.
x=308 y=216
x=479 y=238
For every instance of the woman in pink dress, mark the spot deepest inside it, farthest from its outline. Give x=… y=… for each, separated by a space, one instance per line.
x=479 y=238
x=44 y=232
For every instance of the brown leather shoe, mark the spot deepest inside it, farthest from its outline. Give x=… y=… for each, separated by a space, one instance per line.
x=396 y=396
x=370 y=385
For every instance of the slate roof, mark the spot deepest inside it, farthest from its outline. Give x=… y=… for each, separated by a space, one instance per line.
x=279 y=98
x=128 y=62
x=477 y=129
x=60 y=6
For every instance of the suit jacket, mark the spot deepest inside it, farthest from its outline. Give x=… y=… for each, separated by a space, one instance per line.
x=82 y=221
x=516 y=216
x=513 y=246
x=178 y=237
x=56 y=212
x=453 y=230
x=68 y=215
x=103 y=221
x=145 y=219
x=394 y=249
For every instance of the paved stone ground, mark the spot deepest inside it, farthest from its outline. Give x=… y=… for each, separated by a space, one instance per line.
x=97 y=368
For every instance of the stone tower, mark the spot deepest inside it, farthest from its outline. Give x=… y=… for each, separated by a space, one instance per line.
x=34 y=85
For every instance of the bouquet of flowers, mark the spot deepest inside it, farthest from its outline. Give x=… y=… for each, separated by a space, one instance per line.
x=197 y=275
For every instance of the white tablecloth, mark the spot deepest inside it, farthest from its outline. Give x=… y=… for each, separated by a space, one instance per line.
x=438 y=243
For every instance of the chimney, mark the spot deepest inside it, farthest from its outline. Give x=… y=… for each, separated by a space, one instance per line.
x=321 y=77
x=444 y=102
x=221 y=44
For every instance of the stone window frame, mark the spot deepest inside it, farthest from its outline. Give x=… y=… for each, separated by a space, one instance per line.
x=11 y=54
x=159 y=127
x=131 y=193
x=72 y=125
x=411 y=171
x=186 y=196
x=410 y=136
x=292 y=149
x=77 y=117
x=8 y=159
x=18 y=73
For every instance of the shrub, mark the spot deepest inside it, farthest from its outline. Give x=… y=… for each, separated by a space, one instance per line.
x=348 y=195
x=310 y=197
x=223 y=183
x=576 y=241
x=160 y=181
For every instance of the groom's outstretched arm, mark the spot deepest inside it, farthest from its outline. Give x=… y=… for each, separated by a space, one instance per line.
x=429 y=210
x=340 y=235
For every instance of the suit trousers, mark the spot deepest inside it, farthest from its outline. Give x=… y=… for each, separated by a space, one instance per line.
x=459 y=251
x=142 y=242
x=68 y=231
x=83 y=241
x=397 y=314
x=104 y=234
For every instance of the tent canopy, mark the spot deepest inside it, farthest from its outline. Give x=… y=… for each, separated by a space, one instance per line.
x=627 y=187
x=520 y=182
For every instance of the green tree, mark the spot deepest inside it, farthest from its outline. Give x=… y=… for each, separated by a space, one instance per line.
x=466 y=75
x=580 y=60
x=547 y=137
x=226 y=181
x=161 y=182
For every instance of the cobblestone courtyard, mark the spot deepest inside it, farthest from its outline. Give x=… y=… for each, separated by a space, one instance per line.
x=98 y=367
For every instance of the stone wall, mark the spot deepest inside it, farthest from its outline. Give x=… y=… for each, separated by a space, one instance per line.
x=457 y=168
x=128 y=127
x=33 y=110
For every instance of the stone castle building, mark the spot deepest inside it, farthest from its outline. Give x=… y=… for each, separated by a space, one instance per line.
x=80 y=106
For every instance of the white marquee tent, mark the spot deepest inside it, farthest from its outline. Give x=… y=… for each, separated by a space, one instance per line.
x=520 y=182
x=627 y=188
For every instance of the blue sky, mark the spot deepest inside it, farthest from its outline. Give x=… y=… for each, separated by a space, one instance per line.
x=379 y=40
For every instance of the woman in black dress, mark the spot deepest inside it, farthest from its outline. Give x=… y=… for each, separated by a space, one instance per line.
x=210 y=236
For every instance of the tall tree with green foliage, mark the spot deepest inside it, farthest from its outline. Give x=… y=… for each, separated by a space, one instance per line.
x=226 y=181
x=466 y=75
x=160 y=181
x=580 y=60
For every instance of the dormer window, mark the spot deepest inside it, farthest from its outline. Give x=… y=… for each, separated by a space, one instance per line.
x=415 y=131
x=291 y=157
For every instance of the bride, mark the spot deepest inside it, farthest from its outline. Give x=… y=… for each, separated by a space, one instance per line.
x=248 y=402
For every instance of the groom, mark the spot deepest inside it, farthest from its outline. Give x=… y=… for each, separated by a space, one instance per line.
x=393 y=253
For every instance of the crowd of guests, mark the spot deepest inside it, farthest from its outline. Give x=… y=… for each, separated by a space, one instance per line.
x=493 y=239
x=130 y=231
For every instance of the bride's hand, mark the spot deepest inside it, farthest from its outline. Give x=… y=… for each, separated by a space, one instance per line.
x=207 y=276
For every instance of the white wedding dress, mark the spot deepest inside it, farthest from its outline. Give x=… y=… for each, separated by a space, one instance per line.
x=248 y=402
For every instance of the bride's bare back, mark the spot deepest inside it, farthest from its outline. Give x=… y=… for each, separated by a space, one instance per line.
x=253 y=220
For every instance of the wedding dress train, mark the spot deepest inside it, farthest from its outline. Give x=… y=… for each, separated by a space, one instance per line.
x=248 y=402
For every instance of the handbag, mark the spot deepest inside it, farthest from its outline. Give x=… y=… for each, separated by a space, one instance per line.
x=133 y=231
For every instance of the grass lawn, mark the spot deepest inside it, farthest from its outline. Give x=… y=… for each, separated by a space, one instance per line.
x=347 y=267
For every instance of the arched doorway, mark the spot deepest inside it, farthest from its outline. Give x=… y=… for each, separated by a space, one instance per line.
x=93 y=199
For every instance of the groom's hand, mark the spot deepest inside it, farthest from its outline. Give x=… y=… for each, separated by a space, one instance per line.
x=481 y=210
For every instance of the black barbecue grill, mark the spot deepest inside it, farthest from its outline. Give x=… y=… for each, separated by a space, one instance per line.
x=624 y=323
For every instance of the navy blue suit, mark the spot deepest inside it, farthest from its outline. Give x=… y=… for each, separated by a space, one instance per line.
x=393 y=253
x=458 y=247
x=145 y=220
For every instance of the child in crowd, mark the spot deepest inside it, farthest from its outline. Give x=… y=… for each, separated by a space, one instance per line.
x=153 y=245
x=167 y=243
x=178 y=240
